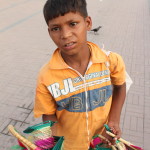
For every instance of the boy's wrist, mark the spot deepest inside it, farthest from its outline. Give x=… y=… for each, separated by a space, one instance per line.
x=49 y=117
x=113 y=122
x=114 y=117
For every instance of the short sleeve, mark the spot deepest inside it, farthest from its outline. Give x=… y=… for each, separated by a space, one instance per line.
x=117 y=69
x=44 y=102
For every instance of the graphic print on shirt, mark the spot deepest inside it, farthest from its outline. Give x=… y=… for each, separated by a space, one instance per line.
x=76 y=103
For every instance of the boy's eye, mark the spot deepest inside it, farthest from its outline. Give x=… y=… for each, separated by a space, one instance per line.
x=55 y=29
x=73 y=24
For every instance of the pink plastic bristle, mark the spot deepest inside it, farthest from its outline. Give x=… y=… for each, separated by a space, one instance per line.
x=45 y=143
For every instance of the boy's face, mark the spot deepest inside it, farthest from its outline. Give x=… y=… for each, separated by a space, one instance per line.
x=69 y=32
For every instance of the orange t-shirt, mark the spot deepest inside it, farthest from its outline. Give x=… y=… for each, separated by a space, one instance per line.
x=82 y=104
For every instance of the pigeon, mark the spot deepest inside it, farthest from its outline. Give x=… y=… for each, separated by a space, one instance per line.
x=96 y=29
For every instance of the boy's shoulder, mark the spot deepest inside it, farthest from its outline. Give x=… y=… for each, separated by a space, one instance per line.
x=114 y=58
x=100 y=53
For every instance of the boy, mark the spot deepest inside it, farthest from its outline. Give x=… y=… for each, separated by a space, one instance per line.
x=75 y=87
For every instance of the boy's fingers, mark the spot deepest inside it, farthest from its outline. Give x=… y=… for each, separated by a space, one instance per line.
x=113 y=130
x=106 y=142
x=115 y=138
x=118 y=135
x=114 y=141
x=106 y=139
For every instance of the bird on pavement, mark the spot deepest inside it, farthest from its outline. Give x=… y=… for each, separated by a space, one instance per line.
x=96 y=29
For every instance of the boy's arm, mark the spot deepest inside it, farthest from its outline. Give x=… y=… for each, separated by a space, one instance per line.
x=117 y=70
x=52 y=118
x=119 y=94
x=49 y=117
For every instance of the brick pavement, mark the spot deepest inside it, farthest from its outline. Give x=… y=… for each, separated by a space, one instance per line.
x=25 y=46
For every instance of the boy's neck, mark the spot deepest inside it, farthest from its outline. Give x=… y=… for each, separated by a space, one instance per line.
x=79 y=61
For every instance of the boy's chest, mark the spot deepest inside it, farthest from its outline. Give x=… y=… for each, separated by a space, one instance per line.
x=65 y=83
x=72 y=91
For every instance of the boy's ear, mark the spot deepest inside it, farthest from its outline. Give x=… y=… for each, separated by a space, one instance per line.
x=48 y=30
x=89 y=23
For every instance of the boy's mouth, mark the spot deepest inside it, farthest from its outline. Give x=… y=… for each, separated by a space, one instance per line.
x=69 y=44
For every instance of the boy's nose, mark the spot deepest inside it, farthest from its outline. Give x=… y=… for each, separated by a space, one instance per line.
x=65 y=33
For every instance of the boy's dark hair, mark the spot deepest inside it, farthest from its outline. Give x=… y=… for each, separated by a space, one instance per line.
x=55 y=8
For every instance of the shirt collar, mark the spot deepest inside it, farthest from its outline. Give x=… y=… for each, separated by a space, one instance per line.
x=57 y=62
x=97 y=56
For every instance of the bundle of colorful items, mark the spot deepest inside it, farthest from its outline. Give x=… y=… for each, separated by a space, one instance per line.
x=121 y=144
x=97 y=144
x=41 y=136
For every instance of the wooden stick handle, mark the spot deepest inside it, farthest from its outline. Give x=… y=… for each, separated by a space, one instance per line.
x=21 y=138
x=122 y=140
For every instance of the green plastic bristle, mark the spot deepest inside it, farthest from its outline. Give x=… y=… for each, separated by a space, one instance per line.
x=39 y=126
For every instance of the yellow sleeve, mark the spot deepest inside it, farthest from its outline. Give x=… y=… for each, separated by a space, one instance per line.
x=117 y=69
x=44 y=102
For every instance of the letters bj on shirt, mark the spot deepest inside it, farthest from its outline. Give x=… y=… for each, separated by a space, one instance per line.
x=68 y=83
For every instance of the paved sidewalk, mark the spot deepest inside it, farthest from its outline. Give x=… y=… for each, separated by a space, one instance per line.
x=25 y=46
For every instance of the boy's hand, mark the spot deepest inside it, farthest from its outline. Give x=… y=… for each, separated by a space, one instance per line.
x=115 y=129
x=52 y=118
x=109 y=139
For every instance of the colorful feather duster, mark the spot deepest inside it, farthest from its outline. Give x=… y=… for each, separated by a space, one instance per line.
x=42 y=134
